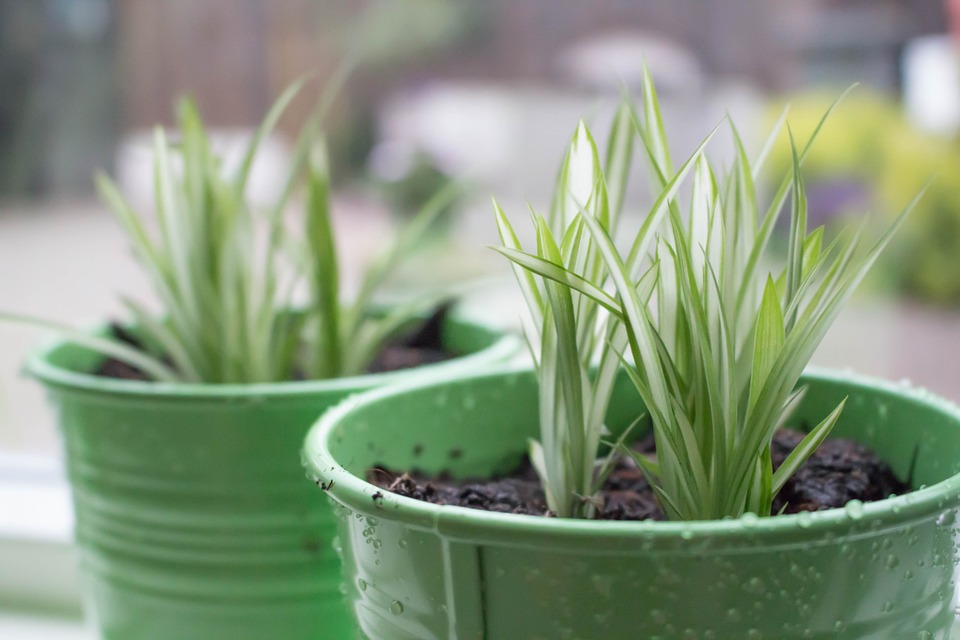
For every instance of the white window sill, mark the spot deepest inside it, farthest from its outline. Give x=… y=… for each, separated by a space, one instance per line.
x=39 y=585
x=36 y=627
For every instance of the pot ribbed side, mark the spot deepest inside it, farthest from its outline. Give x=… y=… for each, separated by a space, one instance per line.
x=194 y=520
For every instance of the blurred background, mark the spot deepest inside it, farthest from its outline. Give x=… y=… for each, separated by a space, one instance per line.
x=486 y=91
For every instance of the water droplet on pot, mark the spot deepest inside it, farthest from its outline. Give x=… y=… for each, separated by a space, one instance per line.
x=362 y=584
x=602 y=585
x=804 y=519
x=908 y=575
x=754 y=634
x=854 y=509
x=734 y=615
x=755 y=585
x=749 y=519
x=924 y=635
x=396 y=607
x=335 y=544
x=887 y=606
x=402 y=543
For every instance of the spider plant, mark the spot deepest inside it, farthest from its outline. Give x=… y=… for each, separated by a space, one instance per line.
x=713 y=340
x=226 y=275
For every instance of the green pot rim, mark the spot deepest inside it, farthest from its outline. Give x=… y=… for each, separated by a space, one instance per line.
x=38 y=366
x=355 y=492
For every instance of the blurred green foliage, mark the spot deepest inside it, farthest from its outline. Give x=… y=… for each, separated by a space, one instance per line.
x=869 y=143
x=422 y=180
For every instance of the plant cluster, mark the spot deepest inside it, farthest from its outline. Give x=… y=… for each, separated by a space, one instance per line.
x=227 y=275
x=713 y=339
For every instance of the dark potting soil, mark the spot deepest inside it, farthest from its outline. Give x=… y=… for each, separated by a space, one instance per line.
x=422 y=346
x=113 y=368
x=839 y=471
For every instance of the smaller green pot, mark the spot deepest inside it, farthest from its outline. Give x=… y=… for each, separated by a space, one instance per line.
x=193 y=518
x=415 y=570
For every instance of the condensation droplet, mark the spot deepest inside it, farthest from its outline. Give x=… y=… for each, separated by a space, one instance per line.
x=362 y=584
x=854 y=509
x=602 y=585
x=893 y=562
x=755 y=585
x=396 y=607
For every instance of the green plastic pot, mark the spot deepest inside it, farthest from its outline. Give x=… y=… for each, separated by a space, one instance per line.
x=193 y=518
x=414 y=570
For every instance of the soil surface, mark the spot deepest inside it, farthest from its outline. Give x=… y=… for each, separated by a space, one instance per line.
x=422 y=346
x=839 y=471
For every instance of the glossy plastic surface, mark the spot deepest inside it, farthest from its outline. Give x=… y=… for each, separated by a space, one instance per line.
x=414 y=570
x=194 y=520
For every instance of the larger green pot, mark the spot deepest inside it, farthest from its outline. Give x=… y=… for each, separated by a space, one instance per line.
x=194 y=521
x=415 y=571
